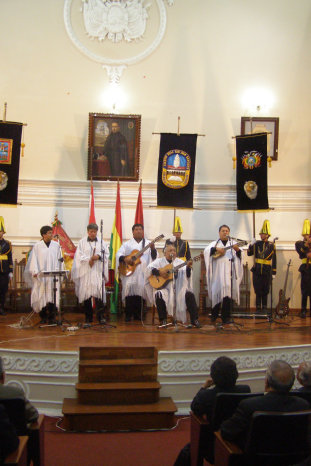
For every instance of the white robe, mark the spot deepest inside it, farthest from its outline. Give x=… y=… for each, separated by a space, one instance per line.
x=134 y=285
x=218 y=273
x=182 y=283
x=88 y=280
x=43 y=259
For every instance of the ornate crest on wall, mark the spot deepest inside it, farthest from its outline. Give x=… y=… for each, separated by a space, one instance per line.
x=115 y=21
x=110 y=31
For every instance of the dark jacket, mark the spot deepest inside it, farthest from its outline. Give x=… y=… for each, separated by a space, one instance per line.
x=204 y=400
x=264 y=251
x=236 y=428
x=6 y=262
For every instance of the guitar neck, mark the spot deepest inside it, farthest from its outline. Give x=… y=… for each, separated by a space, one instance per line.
x=141 y=252
x=239 y=243
x=179 y=266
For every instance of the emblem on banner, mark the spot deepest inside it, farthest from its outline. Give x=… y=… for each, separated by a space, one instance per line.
x=251 y=159
x=176 y=169
x=6 y=151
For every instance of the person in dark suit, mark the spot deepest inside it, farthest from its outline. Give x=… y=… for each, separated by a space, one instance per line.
x=223 y=377
x=9 y=392
x=8 y=438
x=6 y=266
x=304 y=377
x=279 y=379
x=303 y=248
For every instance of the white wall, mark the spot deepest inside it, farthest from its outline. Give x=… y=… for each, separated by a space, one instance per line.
x=213 y=51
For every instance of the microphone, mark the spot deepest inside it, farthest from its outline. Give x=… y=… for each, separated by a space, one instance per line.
x=275 y=239
x=172 y=254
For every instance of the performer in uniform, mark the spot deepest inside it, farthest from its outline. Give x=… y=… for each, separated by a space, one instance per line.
x=164 y=298
x=221 y=265
x=303 y=249
x=133 y=286
x=90 y=258
x=6 y=266
x=265 y=263
x=46 y=256
x=182 y=246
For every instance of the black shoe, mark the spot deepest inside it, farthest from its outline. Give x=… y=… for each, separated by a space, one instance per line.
x=213 y=319
x=88 y=320
x=52 y=322
x=196 y=324
x=43 y=321
x=303 y=314
x=127 y=319
x=2 y=313
x=163 y=323
x=226 y=321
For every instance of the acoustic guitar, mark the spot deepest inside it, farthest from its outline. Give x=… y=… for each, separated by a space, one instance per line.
x=239 y=243
x=282 y=308
x=157 y=282
x=127 y=269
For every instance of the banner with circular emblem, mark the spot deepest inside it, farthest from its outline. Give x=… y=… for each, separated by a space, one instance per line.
x=10 y=146
x=176 y=170
x=251 y=172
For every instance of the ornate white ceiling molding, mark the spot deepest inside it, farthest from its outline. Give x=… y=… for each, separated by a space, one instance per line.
x=115 y=29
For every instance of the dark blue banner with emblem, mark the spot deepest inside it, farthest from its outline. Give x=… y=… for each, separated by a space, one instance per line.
x=251 y=172
x=10 y=145
x=176 y=170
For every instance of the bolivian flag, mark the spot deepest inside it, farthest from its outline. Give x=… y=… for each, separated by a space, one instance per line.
x=115 y=244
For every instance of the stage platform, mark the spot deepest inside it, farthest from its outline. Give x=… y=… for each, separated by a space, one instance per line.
x=44 y=361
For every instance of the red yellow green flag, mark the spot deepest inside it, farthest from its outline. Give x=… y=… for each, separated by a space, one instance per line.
x=115 y=244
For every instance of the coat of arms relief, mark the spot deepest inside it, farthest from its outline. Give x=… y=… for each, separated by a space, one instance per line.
x=115 y=21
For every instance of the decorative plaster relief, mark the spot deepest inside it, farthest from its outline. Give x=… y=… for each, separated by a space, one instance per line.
x=119 y=21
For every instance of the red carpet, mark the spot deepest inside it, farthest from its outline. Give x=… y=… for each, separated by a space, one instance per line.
x=114 y=449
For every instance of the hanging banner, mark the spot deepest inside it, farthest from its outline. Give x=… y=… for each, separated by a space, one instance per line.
x=176 y=170
x=251 y=172
x=10 y=144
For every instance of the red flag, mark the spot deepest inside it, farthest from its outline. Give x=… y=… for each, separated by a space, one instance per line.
x=139 y=216
x=68 y=248
x=92 y=206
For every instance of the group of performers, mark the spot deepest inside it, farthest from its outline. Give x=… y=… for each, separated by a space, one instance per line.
x=147 y=278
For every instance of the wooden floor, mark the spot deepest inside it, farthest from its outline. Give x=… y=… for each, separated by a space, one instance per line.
x=253 y=333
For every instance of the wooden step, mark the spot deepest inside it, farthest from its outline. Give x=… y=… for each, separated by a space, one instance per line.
x=117 y=352
x=118 y=370
x=118 y=393
x=81 y=417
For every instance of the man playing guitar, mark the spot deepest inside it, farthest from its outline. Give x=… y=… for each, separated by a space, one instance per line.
x=165 y=298
x=133 y=284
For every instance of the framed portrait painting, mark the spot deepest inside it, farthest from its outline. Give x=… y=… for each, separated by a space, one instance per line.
x=114 y=147
x=270 y=125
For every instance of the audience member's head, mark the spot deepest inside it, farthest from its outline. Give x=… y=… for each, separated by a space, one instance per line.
x=224 y=372
x=280 y=377
x=304 y=374
x=2 y=373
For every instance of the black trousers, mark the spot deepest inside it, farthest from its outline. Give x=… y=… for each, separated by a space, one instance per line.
x=225 y=306
x=192 y=307
x=261 y=286
x=88 y=308
x=305 y=288
x=133 y=307
x=4 y=286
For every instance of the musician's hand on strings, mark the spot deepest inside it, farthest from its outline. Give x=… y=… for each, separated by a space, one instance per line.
x=236 y=248
x=128 y=261
x=189 y=263
x=163 y=273
x=152 y=245
x=221 y=251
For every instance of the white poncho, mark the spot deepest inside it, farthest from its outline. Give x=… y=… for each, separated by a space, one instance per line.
x=134 y=285
x=89 y=280
x=218 y=273
x=43 y=259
